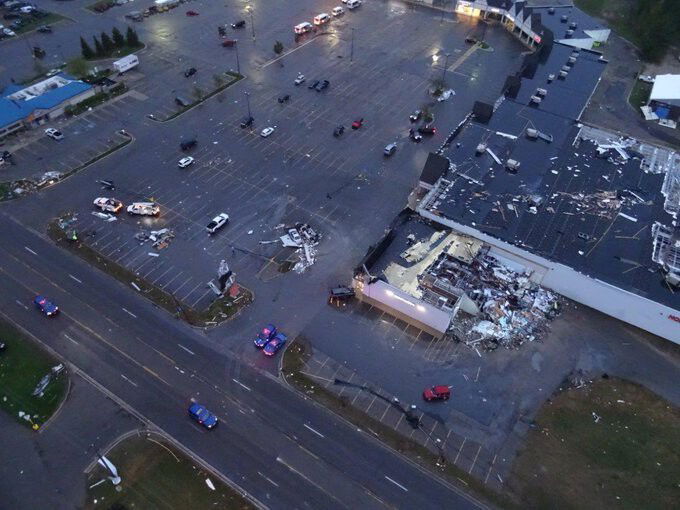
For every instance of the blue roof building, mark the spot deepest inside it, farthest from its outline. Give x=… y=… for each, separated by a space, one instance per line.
x=23 y=107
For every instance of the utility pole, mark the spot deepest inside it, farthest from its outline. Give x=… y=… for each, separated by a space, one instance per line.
x=446 y=65
x=351 y=51
x=238 y=63
x=248 y=102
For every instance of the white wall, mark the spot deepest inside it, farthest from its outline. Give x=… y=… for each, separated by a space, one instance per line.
x=644 y=313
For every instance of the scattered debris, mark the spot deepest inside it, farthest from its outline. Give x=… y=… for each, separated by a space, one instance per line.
x=159 y=238
x=39 y=390
x=304 y=238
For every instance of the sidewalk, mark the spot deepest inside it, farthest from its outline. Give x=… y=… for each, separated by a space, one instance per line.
x=362 y=395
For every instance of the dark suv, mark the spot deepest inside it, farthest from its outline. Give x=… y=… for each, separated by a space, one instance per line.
x=247 y=122
x=322 y=85
x=188 y=144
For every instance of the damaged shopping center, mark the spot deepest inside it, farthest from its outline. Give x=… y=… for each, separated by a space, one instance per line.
x=537 y=197
x=455 y=284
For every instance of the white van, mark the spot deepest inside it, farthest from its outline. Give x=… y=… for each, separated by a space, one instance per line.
x=321 y=19
x=337 y=11
x=303 y=28
x=353 y=4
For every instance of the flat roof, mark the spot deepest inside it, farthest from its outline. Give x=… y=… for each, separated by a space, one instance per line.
x=666 y=86
x=567 y=203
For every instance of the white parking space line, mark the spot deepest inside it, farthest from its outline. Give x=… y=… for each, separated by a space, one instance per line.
x=128 y=380
x=188 y=350
x=241 y=384
x=71 y=339
x=314 y=431
x=129 y=312
x=21 y=304
x=268 y=479
x=29 y=250
x=396 y=483
x=74 y=278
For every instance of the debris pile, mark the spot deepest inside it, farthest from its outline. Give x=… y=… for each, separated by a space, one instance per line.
x=507 y=308
x=159 y=238
x=40 y=388
x=304 y=238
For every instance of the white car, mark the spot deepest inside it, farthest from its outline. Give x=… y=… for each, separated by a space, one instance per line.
x=185 y=162
x=217 y=223
x=55 y=134
x=266 y=132
x=300 y=79
x=144 y=209
x=338 y=11
x=108 y=204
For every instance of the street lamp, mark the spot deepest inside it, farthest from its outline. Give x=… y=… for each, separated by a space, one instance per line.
x=351 y=51
x=238 y=63
x=446 y=65
x=249 y=9
x=248 y=102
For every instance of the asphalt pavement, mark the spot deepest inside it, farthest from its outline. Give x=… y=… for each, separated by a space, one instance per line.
x=155 y=365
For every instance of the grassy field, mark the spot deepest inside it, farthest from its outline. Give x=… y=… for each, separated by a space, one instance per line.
x=640 y=94
x=155 y=476
x=22 y=365
x=612 y=444
x=34 y=23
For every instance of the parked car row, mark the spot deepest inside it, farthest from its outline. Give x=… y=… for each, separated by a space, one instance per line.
x=324 y=17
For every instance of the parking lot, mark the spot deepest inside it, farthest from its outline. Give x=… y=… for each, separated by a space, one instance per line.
x=343 y=187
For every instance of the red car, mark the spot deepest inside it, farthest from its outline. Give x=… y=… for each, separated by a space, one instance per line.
x=358 y=123
x=228 y=42
x=437 y=393
x=192 y=13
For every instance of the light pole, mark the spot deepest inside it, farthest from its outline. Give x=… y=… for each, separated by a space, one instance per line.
x=252 y=23
x=446 y=65
x=351 y=51
x=238 y=63
x=248 y=102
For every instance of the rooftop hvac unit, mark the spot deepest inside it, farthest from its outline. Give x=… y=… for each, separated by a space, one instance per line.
x=564 y=18
x=569 y=34
x=541 y=92
x=551 y=10
x=551 y=77
x=571 y=61
x=573 y=25
x=535 y=100
x=481 y=149
x=532 y=133
x=563 y=75
x=512 y=165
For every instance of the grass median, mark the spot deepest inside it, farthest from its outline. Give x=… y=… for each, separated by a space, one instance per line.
x=219 y=311
x=294 y=361
x=235 y=78
x=156 y=476
x=22 y=365
x=607 y=445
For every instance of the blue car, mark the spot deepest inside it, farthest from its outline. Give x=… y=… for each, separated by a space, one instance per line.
x=202 y=415
x=265 y=336
x=275 y=344
x=46 y=306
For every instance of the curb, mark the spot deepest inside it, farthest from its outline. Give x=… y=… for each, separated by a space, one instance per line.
x=61 y=405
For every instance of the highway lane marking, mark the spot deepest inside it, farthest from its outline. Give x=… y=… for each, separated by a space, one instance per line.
x=182 y=347
x=29 y=250
x=241 y=384
x=280 y=460
x=71 y=339
x=128 y=380
x=129 y=312
x=397 y=484
x=21 y=304
x=74 y=278
x=315 y=431
x=268 y=479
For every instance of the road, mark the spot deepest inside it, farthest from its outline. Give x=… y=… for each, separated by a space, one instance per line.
x=283 y=450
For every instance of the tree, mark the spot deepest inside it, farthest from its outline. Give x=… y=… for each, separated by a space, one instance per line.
x=198 y=93
x=85 y=49
x=278 y=47
x=98 y=49
x=107 y=44
x=78 y=67
x=132 y=38
x=118 y=39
